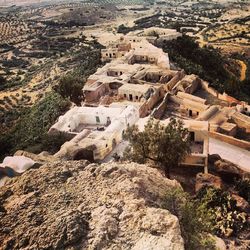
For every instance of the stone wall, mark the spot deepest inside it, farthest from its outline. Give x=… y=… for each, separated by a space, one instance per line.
x=159 y=111
x=92 y=96
x=151 y=102
x=230 y=140
x=223 y=97
x=242 y=121
x=179 y=75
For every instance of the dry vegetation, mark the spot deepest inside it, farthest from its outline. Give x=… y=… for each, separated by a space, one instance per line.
x=38 y=44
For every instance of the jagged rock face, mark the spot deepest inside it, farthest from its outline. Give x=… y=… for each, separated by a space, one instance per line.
x=73 y=205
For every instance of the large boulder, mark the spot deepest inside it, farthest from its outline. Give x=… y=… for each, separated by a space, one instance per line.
x=18 y=163
x=210 y=180
x=14 y=166
x=74 y=205
x=219 y=243
x=213 y=158
x=228 y=170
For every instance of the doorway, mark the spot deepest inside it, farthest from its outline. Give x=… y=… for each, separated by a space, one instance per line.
x=84 y=154
x=192 y=136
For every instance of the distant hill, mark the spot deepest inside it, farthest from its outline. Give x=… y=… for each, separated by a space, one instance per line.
x=23 y=2
x=28 y=2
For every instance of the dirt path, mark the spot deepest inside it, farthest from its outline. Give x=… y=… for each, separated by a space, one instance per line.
x=200 y=39
x=243 y=70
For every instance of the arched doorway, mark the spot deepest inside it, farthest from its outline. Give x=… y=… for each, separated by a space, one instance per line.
x=85 y=154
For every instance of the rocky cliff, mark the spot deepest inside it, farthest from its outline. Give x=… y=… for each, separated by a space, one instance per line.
x=74 y=205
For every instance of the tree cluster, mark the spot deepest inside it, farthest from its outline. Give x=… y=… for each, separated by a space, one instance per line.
x=2 y=82
x=70 y=87
x=30 y=131
x=210 y=211
x=166 y=146
x=206 y=62
x=227 y=220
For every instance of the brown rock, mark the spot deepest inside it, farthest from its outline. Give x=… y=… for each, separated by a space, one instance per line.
x=241 y=203
x=213 y=158
x=228 y=169
x=73 y=205
x=42 y=158
x=219 y=243
x=207 y=180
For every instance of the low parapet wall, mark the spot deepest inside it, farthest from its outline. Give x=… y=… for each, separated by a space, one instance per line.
x=223 y=97
x=159 y=111
x=205 y=86
x=230 y=140
x=242 y=121
x=148 y=105
x=179 y=75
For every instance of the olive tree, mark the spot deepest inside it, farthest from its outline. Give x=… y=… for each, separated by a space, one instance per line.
x=70 y=87
x=166 y=145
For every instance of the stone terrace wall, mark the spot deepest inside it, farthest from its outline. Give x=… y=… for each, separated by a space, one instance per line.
x=230 y=140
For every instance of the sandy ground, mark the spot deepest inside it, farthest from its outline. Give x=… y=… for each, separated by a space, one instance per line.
x=19 y=91
x=37 y=79
x=236 y=155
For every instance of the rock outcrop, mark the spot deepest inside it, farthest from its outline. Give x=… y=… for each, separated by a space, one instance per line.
x=226 y=167
x=209 y=180
x=76 y=205
x=241 y=203
x=42 y=158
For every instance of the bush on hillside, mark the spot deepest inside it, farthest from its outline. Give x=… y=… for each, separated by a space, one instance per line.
x=195 y=223
x=243 y=188
x=228 y=220
x=70 y=87
x=166 y=146
x=206 y=62
x=53 y=142
x=33 y=124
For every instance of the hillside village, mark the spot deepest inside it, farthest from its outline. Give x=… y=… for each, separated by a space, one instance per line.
x=76 y=77
x=137 y=82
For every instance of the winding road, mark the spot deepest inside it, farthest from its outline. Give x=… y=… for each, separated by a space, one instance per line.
x=243 y=70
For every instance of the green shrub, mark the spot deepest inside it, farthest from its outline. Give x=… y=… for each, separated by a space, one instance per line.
x=33 y=124
x=53 y=143
x=243 y=188
x=70 y=87
x=166 y=146
x=228 y=220
x=206 y=62
x=195 y=222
